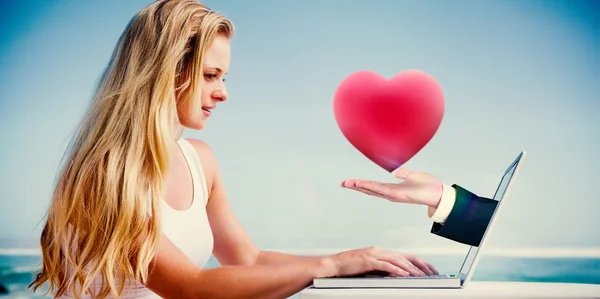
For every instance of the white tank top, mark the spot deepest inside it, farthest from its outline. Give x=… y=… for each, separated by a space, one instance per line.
x=189 y=230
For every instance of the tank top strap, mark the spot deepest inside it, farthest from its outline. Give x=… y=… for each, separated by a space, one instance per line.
x=198 y=177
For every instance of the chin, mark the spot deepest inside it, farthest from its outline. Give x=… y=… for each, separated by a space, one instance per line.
x=194 y=125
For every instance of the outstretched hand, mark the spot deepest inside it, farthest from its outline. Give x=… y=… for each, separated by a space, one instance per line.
x=417 y=188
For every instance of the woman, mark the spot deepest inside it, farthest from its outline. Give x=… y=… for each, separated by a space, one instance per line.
x=137 y=210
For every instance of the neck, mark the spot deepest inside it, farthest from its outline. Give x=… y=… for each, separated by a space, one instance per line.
x=178 y=131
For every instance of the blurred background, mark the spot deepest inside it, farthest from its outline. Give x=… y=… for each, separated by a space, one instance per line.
x=516 y=75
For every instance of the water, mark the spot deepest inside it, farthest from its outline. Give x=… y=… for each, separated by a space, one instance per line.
x=16 y=271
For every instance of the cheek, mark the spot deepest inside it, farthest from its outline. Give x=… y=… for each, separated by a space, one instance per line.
x=205 y=94
x=189 y=116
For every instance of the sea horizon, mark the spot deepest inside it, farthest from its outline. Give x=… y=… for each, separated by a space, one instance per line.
x=545 y=252
x=17 y=266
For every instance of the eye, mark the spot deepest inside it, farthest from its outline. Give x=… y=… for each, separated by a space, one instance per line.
x=210 y=77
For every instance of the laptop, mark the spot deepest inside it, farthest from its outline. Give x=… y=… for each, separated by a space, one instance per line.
x=455 y=280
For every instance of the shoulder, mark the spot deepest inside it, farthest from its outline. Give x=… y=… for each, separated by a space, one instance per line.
x=207 y=159
x=201 y=147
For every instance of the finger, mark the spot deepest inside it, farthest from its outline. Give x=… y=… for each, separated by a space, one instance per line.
x=421 y=264
x=389 y=268
x=384 y=189
x=407 y=266
x=348 y=183
x=368 y=192
x=433 y=270
x=400 y=261
x=351 y=184
x=395 y=193
x=401 y=173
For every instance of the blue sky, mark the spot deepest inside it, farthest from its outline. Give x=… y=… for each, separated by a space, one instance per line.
x=516 y=75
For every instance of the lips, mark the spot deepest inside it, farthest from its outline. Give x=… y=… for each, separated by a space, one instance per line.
x=206 y=111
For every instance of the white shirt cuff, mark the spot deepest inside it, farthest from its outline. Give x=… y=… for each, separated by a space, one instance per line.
x=440 y=214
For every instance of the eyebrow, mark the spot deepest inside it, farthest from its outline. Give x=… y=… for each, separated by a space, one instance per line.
x=216 y=68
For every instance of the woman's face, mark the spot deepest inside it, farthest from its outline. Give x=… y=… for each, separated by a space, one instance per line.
x=215 y=66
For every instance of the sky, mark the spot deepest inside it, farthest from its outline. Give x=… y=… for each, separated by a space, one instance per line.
x=516 y=75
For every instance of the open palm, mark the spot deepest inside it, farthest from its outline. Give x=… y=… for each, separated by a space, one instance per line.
x=417 y=188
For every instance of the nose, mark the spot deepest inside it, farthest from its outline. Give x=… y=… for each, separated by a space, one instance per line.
x=220 y=94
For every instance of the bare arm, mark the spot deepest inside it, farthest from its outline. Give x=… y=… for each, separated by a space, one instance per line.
x=233 y=246
x=247 y=271
x=173 y=275
x=273 y=257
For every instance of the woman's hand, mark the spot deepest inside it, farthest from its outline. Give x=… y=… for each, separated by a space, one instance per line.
x=361 y=261
x=417 y=188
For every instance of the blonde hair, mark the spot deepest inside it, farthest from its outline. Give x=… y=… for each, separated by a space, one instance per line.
x=99 y=221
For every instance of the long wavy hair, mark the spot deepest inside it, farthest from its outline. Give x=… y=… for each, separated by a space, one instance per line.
x=104 y=218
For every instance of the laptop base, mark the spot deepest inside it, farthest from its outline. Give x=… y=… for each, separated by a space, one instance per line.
x=386 y=282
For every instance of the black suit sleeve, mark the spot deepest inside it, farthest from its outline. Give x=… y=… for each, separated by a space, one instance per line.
x=468 y=219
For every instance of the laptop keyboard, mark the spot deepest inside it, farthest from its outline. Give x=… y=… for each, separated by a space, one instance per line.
x=374 y=274
x=404 y=277
x=419 y=277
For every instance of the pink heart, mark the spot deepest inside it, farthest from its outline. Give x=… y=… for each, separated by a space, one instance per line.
x=389 y=121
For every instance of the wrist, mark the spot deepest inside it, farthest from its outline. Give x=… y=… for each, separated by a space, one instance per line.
x=326 y=266
x=435 y=203
x=445 y=205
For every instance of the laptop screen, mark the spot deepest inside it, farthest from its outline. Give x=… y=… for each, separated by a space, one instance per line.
x=464 y=270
